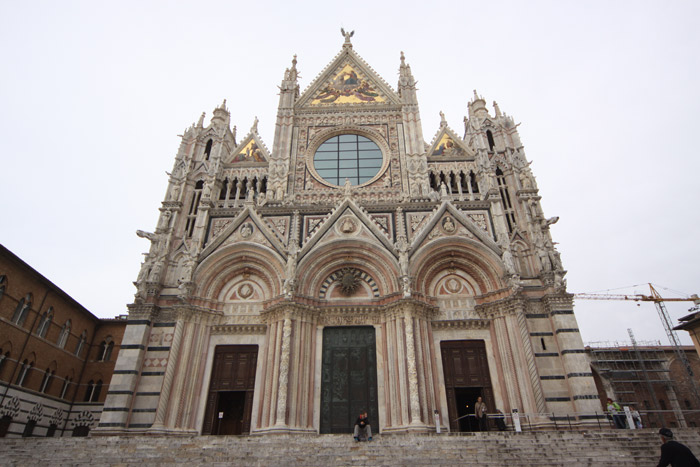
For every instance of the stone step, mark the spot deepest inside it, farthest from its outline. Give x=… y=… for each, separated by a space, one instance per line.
x=613 y=447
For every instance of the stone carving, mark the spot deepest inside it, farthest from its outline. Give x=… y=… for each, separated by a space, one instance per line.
x=218 y=225
x=246 y=230
x=36 y=413
x=479 y=220
x=84 y=418
x=348 y=226
x=448 y=225
x=245 y=291
x=348 y=281
x=57 y=417
x=11 y=407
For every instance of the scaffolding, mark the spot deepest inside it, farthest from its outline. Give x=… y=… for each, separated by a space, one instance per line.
x=638 y=375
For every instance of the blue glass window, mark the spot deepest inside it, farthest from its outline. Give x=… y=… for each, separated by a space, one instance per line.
x=354 y=157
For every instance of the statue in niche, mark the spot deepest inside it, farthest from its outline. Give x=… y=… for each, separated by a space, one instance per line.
x=246 y=230
x=348 y=226
x=448 y=225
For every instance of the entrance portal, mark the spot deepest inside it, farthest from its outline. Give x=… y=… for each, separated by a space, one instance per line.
x=230 y=399
x=348 y=378
x=466 y=378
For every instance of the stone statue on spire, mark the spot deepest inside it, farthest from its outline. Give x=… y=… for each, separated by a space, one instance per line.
x=347 y=36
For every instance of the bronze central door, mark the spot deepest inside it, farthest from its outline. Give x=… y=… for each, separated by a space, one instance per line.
x=348 y=378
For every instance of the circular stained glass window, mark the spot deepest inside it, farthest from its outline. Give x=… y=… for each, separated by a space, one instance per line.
x=354 y=157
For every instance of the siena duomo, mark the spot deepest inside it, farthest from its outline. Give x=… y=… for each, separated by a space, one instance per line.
x=353 y=264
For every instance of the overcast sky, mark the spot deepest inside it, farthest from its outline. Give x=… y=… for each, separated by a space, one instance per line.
x=94 y=94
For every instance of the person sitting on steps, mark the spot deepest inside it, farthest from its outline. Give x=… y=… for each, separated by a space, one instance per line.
x=362 y=427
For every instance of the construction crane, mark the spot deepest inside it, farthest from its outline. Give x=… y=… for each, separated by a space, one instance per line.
x=665 y=320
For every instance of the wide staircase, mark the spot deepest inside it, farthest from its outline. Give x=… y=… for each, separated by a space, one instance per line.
x=570 y=448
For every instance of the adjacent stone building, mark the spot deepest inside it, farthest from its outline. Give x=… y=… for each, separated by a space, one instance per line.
x=352 y=265
x=56 y=358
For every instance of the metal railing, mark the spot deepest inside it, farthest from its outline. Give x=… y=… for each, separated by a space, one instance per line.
x=539 y=421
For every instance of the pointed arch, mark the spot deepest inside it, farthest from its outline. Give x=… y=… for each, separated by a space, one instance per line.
x=22 y=310
x=44 y=323
x=481 y=267
x=358 y=253
x=216 y=271
x=63 y=336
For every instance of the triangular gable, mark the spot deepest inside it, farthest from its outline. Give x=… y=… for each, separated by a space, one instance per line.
x=448 y=146
x=456 y=216
x=348 y=79
x=248 y=214
x=345 y=207
x=251 y=151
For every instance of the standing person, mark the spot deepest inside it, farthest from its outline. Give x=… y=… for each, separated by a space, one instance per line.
x=675 y=453
x=614 y=410
x=362 y=427
x=480 y=412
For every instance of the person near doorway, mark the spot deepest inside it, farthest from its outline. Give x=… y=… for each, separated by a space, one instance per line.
x=674 y=453
x=480 y=412
x=500 y=420
x=363 y=430
x=615 y=411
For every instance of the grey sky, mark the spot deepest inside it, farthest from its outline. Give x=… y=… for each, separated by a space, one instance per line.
x=93 y=94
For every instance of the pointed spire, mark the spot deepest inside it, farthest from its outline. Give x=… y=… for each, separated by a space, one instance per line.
x=496 y=109
x=200 y=123
x=403 y=60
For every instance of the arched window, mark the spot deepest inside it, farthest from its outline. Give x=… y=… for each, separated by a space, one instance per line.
x=194 y=206
x=22 y=310
x=104 y=352
x=93 y=390
x=489 y=136
x=81 y=343
x=48 y=379
x=505 y=199
x=44 y=323
x=64 y=389
x=23 y=372
x=89 y=390
x=207 y=150
x=63 y=337
x=3 y=285
x=4 y=357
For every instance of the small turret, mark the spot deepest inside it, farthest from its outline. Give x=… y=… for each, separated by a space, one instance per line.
x=477 y=107
x=221 y=116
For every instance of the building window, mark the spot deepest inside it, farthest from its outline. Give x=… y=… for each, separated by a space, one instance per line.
x=505 y=199
x=23 y=371
x=29 y=428
x=45 y=323
x=351 y=157
x=3 y=358
x=64 y=389
x=3 y=285
x=22 y=310
x=93 y=390
x=63 y=337
x=207 y=150
x=46 y=382
x=104 y=352
x=489 y=137
x=51 y=431
x=81 y=343
x=662 y=403
x=194 y=206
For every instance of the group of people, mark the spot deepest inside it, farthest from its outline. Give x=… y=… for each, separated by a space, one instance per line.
x=672 y=452
x=617 y=415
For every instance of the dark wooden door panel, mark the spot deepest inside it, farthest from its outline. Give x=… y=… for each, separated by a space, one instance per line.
x=465 y=365
x=233 y=370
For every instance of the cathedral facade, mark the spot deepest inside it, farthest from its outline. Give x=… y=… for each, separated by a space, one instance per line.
x=352 y=266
